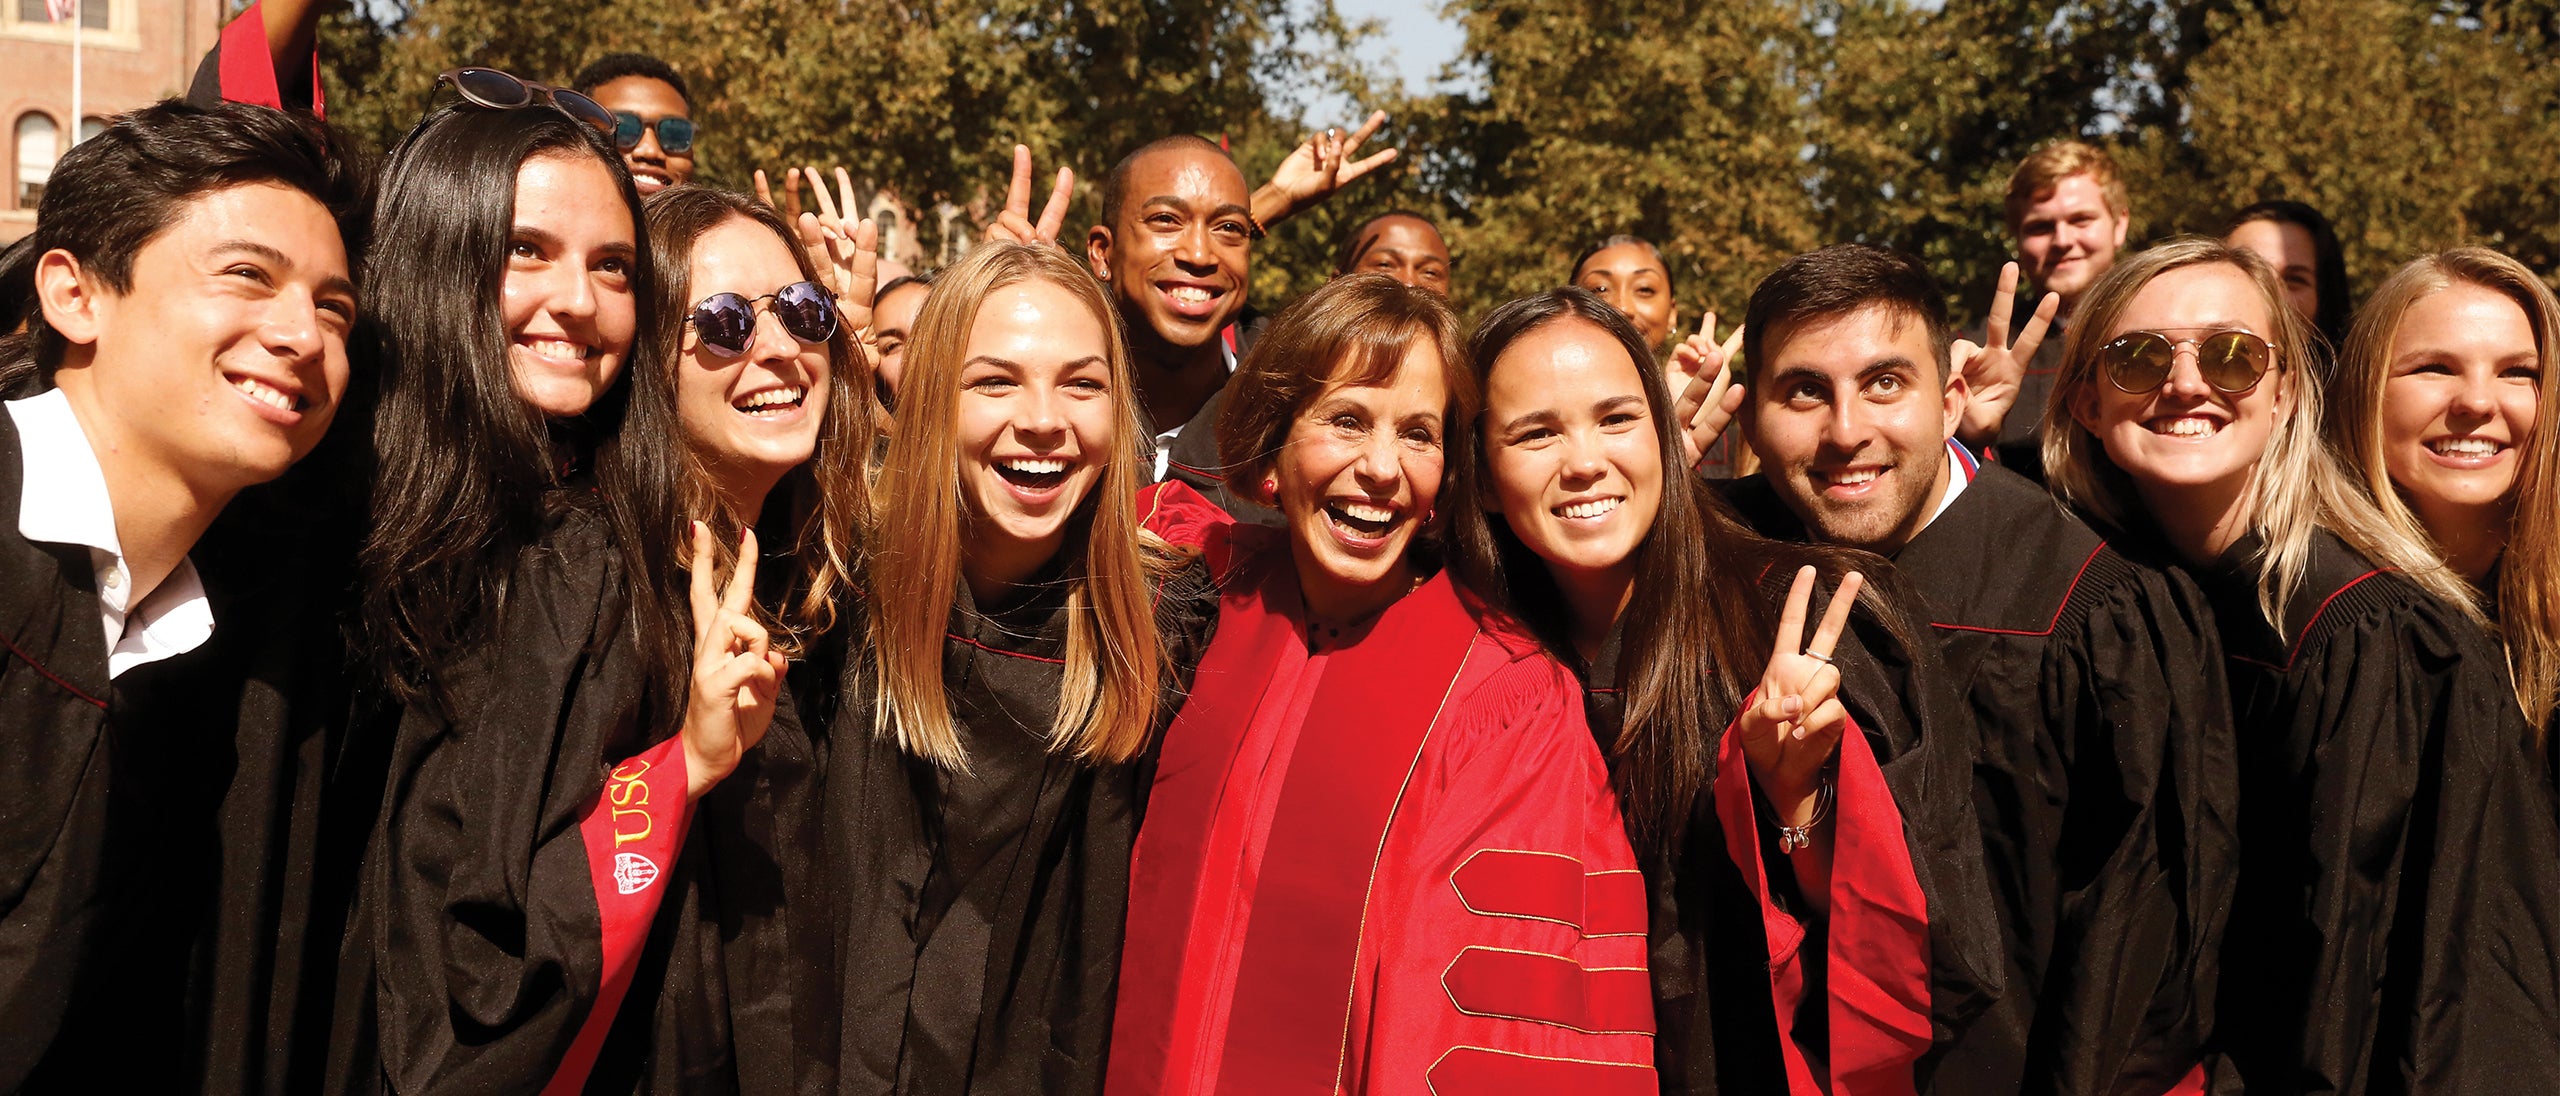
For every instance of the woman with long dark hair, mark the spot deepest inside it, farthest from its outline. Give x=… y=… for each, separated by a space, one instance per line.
x=2392 y=926
x=522 y=608
x=2303 y=249
x=1669 y=607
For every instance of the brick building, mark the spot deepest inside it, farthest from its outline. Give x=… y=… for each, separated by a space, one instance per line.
x=134 y=53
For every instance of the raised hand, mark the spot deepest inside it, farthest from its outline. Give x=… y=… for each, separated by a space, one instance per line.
x=1792 y=729
x=1320 y=165
x=1994 y=369
x=790 y=207
x=1015 y=224
x=1704 y=396
x=736 y=674
x=850 y=248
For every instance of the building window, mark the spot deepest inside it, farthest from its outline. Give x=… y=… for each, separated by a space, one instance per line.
x=93 y=13
x=91 y=126
x=36 y=151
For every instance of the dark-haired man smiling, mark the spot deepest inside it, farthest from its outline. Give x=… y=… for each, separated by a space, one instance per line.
x=2104 y=780
x=187 y=339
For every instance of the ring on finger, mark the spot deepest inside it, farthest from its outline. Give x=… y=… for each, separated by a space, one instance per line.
x=1817 y=656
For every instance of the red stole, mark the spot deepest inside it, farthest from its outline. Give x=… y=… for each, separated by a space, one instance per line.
x=1877 y=938
x=1360 y=738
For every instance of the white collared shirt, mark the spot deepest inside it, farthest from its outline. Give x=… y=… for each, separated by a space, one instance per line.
x=63 y=500
x=1164 y=438
x=1961 y=468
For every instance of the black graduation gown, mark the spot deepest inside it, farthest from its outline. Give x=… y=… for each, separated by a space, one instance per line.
x=171 y=875
x=2397 y=926
x=474 y=953
x=1715 y=1025
x=2104 y=787
x=888 y=926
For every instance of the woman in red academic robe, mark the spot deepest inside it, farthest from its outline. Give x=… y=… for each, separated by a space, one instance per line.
x=1381 y=854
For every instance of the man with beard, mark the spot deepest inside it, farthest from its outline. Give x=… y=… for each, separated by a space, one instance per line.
x=2104 y=782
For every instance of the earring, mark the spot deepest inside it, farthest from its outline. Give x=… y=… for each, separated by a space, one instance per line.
x=1270 y=486
x=1429 y=514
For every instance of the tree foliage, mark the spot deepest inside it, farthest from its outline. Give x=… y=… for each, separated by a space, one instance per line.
x=1732 y=132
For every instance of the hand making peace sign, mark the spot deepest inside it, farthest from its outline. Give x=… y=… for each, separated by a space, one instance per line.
x=736 y=673
x=1704 y=395
x=1994 y=371
x=1791 y=731
x=1015 y=225
x=849 y=248
x=1320 y=165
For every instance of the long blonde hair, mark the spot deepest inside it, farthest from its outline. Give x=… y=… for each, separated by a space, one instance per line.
x=2529 y=579
x=2297 y=486
x=1114 y=660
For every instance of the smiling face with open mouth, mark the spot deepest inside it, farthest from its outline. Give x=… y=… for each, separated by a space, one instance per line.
x=1037 y=422
x=1177 y=251
x=569 y=304
x=1357 y=476
x=225 y=356
x=2460 y=400
x=1574 y=451
x=755 y=416
x=1852 y=415
x=2190 y=447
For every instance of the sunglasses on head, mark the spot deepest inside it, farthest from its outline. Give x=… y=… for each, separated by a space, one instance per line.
x=675 y=135
x=727 y=322
x=488 y=87
x=2139 y=362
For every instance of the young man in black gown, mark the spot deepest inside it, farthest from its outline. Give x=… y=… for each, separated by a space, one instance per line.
x=187 y=304
x=2104 y=785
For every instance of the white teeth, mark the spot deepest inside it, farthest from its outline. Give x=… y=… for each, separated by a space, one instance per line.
x=1361 y=511
x=772 y=397
x=1856 y=476
x=1188 y=294
x=1037 y=467
x=1591 y=509
x=2189 y=428
x=557 y=348
x=263 y=393
x=2467 y=447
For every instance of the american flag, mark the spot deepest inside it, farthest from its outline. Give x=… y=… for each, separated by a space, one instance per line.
x=60 y=10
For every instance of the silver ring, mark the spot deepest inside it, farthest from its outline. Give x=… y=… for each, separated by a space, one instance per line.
x=1823 y=658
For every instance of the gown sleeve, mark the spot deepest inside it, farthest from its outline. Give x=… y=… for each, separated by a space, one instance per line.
x=1514 y=959
x=511 y=919
x=240 y=68
x=2141 y=876
x=2431 y=934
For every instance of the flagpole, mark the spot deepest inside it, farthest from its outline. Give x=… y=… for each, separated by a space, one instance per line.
x=76 y=21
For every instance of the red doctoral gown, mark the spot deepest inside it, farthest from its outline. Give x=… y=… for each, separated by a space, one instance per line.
x=1391 y=864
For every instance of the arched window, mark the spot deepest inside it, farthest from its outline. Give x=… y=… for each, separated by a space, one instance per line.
x=91 y=126
x=38 y=145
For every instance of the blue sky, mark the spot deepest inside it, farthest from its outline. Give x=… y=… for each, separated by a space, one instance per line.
x=1416 y=40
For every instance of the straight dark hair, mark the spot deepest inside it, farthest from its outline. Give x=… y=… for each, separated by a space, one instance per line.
x=465 y=471
x=1839 y=280
x=114 y=193
x=1699 y=620
x=2328 y=263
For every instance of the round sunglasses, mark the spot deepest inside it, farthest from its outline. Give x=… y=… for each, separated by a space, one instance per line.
x=488 y=87
x=2139 y=362
x=727 y=322
x=675 y=135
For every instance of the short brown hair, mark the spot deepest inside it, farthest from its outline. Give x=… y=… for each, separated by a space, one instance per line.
x=2046 y=168
x=1841 y=280
x=1351 y=330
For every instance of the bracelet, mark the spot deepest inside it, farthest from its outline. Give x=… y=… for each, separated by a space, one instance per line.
x=1255 y=223
x=1793 y=838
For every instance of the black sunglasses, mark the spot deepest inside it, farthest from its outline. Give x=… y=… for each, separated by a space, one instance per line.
x=488 y=87
x=727 y=321
x=2232 y=362
x=675 y=135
